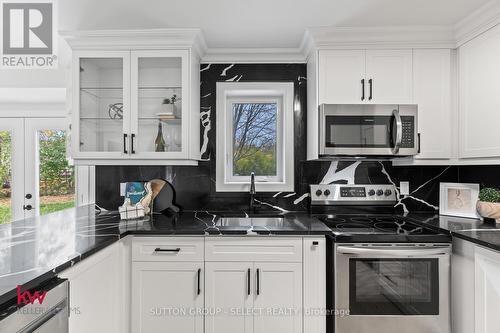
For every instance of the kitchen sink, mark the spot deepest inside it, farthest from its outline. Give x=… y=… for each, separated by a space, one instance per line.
x=269 y=222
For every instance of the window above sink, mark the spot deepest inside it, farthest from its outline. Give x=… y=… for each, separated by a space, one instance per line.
x=254 y=134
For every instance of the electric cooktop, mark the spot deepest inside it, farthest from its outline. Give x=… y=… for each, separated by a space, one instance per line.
x=380 y=228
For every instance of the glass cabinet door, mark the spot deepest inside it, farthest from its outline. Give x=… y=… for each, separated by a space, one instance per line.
x=103 y=89
x=158 y=103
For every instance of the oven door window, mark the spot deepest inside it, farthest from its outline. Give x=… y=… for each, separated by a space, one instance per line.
x=358 y=131
x=393 y=286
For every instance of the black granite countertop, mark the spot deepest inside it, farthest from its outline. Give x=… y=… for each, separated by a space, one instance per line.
x=35 y=250
x=473 y=230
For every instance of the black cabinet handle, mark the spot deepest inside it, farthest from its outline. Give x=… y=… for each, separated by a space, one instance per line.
x=370 y=81
x=248 y=282
x=167 y=250
x=28 y=196
x=363 y=89
x=258 y=281
x=132 y=143
x=418 y=137
x=125 y=143
x=28 y=207
x=199 y=279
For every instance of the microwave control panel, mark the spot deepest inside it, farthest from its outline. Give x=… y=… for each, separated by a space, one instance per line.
x=408 y=138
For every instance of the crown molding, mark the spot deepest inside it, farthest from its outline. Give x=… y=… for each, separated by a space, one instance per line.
x=136 y=39
x=379 y=37
x=254 y=55
x=479 y=21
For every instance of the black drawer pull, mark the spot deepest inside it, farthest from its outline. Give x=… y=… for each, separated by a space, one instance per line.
x=248 y=282
x=258 y=281
x=370 y=81
x=167 y=250
x=199 y=280
x=363 y=89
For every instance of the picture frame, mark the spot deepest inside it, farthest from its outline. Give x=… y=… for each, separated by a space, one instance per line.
x=458 y=199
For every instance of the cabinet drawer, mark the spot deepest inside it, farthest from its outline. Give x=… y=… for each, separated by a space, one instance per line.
x=167 y=249
x=253 y=249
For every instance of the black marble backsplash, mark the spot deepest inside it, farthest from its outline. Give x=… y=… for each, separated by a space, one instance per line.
x=195 y=186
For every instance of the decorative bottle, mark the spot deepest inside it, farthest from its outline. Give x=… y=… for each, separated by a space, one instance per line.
x=160 y=141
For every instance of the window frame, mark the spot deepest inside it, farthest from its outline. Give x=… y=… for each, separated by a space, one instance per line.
x=229 y=93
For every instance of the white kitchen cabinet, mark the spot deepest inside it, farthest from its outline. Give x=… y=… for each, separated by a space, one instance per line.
x=267 y=286
x=341 y=75
x=432 y=92
x=462 y=286
x=365 y=76
x=475 y=285
x=98 y=302
x=279 y=295
x=479 y=79
x=487 y=290
x=167 y=296
x=229 y=286
x=128 y=89
x=389 y=76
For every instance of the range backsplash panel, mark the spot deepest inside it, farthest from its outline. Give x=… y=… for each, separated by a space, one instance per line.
x=195 y=186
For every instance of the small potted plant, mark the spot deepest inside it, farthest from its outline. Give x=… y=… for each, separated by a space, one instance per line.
x=488 y=205
x=168 y=105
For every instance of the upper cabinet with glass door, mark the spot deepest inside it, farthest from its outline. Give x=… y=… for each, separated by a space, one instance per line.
x=135 y=97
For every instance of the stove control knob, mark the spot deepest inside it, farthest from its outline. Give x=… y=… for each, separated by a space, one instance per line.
x=387 y=192
x=380 y=192
x=319 y=192
x=371 y=193
x=327 y=192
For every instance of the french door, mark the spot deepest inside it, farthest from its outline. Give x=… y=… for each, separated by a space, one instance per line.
x=35 y=177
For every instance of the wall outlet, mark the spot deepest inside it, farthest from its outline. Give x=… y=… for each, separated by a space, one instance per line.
x=123 y=187
x=404 y=188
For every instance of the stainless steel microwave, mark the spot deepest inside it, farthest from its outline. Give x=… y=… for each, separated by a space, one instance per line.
x=368 y=130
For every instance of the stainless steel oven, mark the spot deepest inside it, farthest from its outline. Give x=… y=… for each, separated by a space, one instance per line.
x=389 y=288
x=368 y=130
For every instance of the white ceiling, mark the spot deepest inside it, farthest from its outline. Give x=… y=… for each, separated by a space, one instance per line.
x=258 y=23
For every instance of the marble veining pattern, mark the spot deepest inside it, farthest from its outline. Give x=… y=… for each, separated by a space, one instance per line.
x=42 y=247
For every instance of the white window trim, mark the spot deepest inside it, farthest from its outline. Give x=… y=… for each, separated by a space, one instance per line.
x=234 y=92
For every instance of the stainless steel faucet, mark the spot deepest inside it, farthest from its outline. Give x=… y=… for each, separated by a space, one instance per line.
x=252 y=191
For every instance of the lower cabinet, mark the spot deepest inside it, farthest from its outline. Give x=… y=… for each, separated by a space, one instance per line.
x=475 y=288
x=98 y=301
x=487 y=290
x=278 y=297
x=167 y=296
x=253 y=297
x=229 y=294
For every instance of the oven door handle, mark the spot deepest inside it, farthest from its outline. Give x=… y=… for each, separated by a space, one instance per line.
x=393 y=252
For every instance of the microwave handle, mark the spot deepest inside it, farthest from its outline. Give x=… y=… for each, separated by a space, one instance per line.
x=399 y=132
x=392 y=252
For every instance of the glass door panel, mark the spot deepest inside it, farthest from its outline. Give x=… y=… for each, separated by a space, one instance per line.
x=102 y=105
x=49 y=177
x=5 y=176
x=11 y=169
x=56 y=183
x=159 y=101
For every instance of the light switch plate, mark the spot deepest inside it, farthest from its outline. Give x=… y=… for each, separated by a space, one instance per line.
x=123 y=187
x=404 y=188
